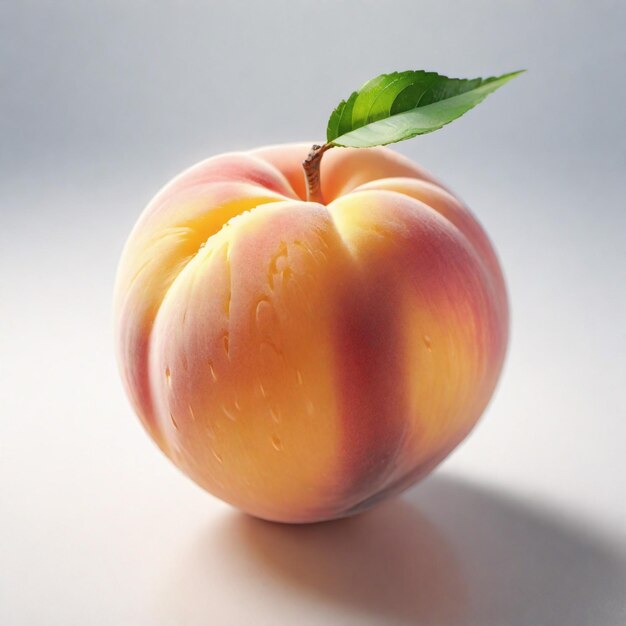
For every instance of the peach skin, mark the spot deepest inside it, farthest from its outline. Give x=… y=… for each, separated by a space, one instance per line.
x=304 y=360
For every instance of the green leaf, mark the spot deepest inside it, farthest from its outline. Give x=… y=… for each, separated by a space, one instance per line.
x=398 y=106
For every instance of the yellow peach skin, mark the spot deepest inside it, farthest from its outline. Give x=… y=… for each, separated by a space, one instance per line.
x=303 y=361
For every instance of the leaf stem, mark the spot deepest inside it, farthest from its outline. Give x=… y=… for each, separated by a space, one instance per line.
x=311 y=166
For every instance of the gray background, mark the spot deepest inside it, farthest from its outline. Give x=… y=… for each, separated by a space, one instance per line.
x=103 y=102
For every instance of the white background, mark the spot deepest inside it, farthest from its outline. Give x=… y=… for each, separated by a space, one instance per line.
x=101 y=103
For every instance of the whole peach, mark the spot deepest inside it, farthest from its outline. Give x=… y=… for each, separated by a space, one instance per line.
x=303 y=361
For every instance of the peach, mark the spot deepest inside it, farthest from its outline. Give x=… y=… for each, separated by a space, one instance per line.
x=299 y=360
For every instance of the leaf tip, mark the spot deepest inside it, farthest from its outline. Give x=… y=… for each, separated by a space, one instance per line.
x=514 y=74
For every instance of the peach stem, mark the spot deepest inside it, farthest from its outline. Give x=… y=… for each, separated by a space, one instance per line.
x=311 y=167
